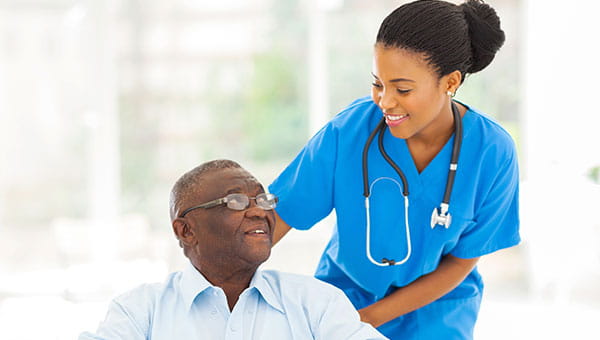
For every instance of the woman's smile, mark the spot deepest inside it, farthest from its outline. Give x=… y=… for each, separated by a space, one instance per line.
x=395 y=120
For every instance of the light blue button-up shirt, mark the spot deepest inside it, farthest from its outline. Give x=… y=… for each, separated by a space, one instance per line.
x=275 y=306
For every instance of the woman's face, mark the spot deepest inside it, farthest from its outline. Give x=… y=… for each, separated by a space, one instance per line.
x=412 y=97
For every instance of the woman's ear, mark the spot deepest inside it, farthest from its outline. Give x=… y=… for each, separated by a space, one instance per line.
x=183 y=232
x=452 y=81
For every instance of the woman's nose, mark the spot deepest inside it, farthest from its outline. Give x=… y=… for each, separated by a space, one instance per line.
x=387 y=100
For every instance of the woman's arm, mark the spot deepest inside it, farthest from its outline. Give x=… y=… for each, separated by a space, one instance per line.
x=281 y=228
x=424 y=290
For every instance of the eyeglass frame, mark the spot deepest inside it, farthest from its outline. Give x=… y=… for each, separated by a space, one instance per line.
x=224 y=200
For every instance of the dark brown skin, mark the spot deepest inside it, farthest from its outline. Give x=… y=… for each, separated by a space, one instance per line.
x=405 y=85
x=217 y=240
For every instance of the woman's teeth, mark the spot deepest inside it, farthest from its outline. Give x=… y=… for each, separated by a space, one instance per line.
x=395 y=117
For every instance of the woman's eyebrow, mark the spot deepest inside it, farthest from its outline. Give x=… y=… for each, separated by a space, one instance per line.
x=396 y=79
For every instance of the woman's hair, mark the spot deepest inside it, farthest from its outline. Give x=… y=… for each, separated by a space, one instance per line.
x=452 y=37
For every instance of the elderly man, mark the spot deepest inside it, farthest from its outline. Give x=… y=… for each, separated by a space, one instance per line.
x=224 y=221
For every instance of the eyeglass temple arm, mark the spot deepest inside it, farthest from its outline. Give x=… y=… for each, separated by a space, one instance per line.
x=206 y=205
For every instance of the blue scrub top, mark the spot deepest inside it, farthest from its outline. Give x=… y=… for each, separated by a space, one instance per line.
x=327 y=174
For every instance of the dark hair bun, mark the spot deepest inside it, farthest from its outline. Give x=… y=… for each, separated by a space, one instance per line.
x=484 y=30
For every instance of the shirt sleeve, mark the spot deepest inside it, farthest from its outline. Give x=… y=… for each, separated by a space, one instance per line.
x=496 y=222
x=305 y=187
x=119 y=324
x=341 y=321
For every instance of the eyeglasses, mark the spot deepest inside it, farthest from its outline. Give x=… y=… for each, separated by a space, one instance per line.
x=238 y=202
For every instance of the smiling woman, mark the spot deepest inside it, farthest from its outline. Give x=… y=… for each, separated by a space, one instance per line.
x=414 y=100
x=429 y=289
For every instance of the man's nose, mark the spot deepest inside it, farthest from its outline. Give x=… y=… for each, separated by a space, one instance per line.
x=254 y=210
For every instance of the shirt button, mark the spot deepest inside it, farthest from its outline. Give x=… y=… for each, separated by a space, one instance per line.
x=213 y=312
x=233 y=328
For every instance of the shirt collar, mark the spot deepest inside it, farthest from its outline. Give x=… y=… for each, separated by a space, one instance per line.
x=267 y=291
x=192 y=284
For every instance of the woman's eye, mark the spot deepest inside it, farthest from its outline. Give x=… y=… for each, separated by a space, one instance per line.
x=376 y=85
x=403 y=91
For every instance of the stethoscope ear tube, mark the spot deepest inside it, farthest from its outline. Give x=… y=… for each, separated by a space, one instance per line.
x=391 y=162
x=458 y=131
x=441 y=216
x=365 y=156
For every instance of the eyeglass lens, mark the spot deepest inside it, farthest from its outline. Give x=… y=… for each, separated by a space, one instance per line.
x=241 y=201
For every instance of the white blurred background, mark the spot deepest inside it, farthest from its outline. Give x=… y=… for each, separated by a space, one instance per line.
x=104 y=104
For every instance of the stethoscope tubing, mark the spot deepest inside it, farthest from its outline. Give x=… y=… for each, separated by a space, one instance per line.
x=380 y=128
x=385 y=262
x=458 y=136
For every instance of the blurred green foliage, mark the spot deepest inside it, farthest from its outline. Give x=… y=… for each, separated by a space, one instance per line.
x=138 y=152
x=275 y=123
x=594 y=174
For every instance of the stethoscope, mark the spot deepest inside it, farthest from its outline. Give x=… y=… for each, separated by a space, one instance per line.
x=439 y=216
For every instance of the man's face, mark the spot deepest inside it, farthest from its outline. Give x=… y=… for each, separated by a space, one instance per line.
x=227 y=236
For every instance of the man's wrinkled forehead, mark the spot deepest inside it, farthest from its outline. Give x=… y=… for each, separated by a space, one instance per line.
x=229 y=180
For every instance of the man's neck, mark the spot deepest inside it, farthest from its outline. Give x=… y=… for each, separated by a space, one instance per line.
x=233 y=282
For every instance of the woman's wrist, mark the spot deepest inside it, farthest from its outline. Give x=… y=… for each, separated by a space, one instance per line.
x=367 y=315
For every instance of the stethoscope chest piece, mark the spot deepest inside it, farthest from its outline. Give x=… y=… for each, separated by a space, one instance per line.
x=440 y=217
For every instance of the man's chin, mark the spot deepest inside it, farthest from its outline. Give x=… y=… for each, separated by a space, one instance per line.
x=258 y=247
x=258 y=257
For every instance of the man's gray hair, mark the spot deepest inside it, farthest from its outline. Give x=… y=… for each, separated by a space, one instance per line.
x=185 y=185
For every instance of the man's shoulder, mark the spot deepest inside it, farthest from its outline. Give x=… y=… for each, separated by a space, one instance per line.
x=299 y=282
x=325 y=309
x=301 y=293
x=147 y=293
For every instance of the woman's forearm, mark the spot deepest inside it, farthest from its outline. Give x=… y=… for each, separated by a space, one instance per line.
x=426 y=289
x=281 y=228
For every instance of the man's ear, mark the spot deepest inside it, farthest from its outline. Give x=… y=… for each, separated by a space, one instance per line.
x=183 y=232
